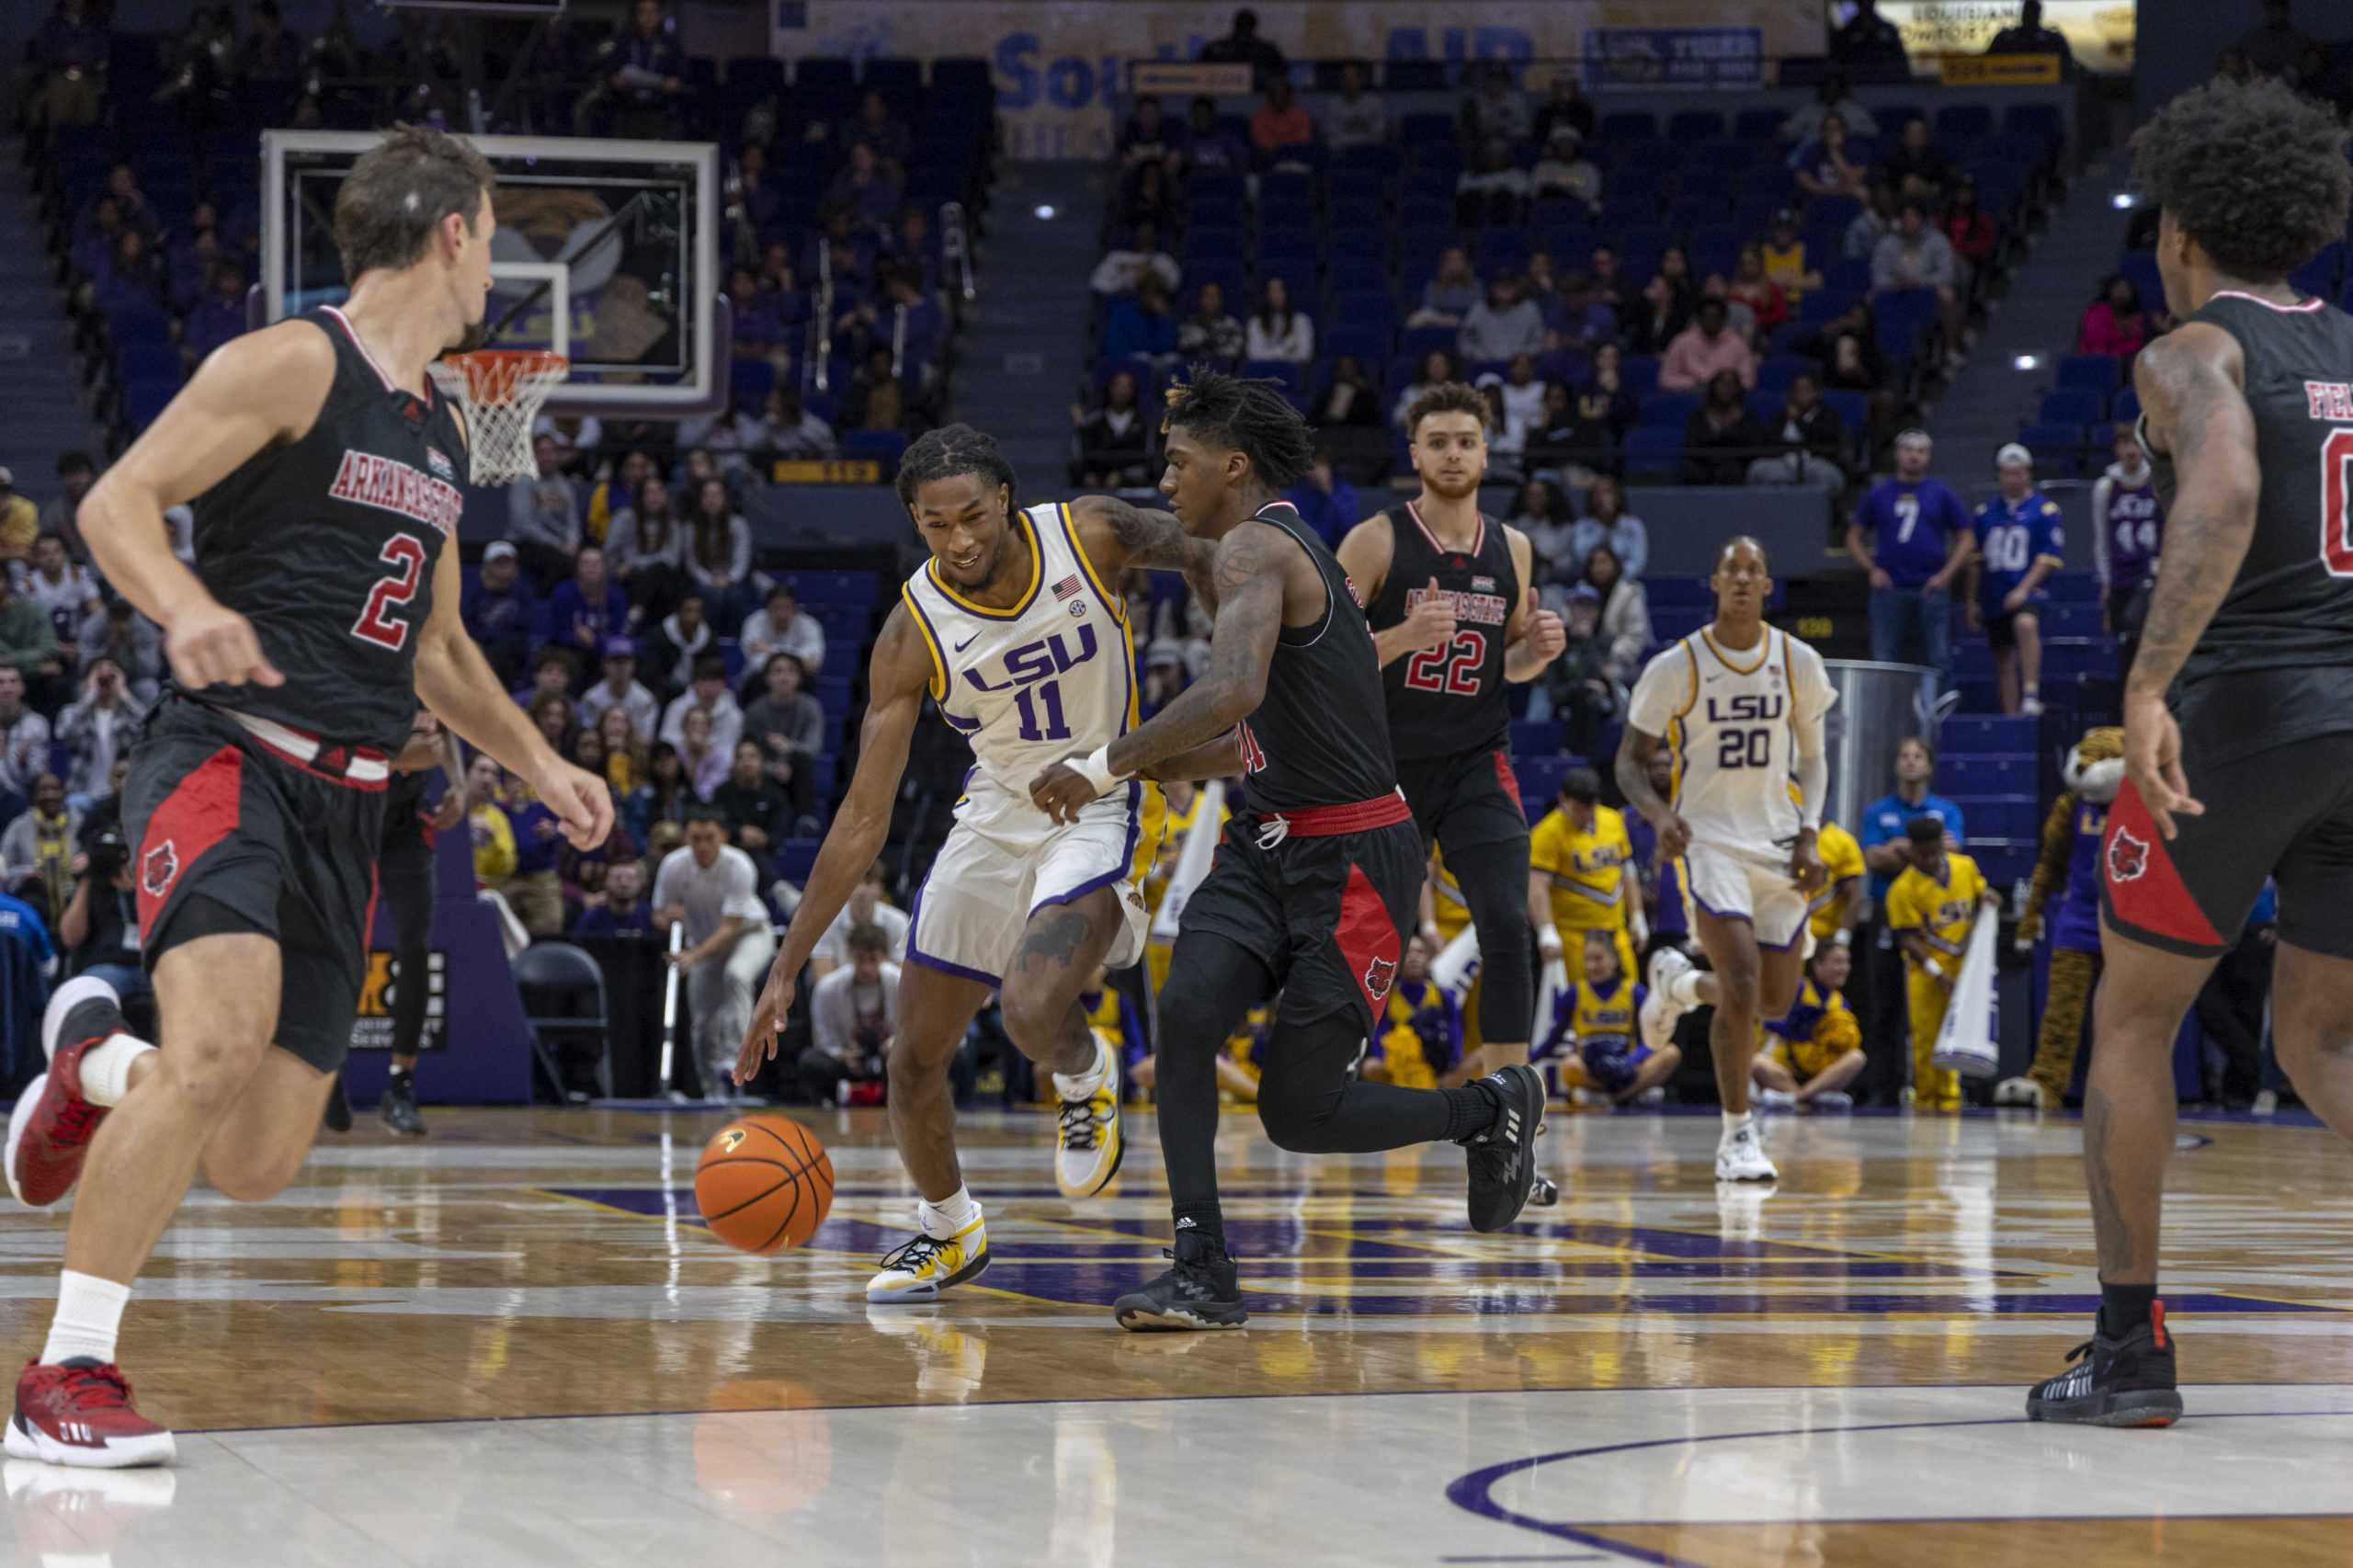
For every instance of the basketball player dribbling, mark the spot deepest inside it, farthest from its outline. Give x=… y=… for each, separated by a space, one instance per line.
x=2238 y=712
x=324 y=467
x=1317 y=880
x=1449 y=593
x=1013 y=628
x=1740 y=707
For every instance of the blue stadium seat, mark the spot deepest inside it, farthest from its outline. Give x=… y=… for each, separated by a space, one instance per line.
x=2090 y=373
x=797 y=859
x=2000 y=816
x=2126 y=408
x=832 y=693
x=2043 y=121
x=1775 y=371
x=1368 y=346
x=828 y=71
x=1956 y=124
x=2069 y=407
x=1639 y=374
x=1757 y=126
x=1292 y=375
x=2058 y=448
x=1694 y=125
x=1627 y=126
x=1654 y=451
x=1853 y=408
x=2073 y=588
x=885 y=446
x=1533 y=740
x=1669 y=410
x=1357 y=267
x=1978 y=732
x=2072 y=620
x=1988 y=774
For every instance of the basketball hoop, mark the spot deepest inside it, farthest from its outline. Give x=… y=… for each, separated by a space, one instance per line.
x=501 y=390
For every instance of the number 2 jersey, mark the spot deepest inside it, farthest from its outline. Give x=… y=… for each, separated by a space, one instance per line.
x=1451 y=701
x=2283 y=635
x=1049 y=678
x=1730 y=719
x=328 y=544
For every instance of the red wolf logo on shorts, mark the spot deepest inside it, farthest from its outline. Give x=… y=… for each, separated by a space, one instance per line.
x=1377 y=976
x=157 y=869
x=2127 y=857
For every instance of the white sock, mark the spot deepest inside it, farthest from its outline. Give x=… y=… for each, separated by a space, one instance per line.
x=1737 y=1125
x=89 y=1314
x=1087 y=1082
x=1684 y=989
x=105 y=1069
x=951 y=1214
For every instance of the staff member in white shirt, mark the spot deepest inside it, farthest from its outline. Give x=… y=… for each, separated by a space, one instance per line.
x=730 y=944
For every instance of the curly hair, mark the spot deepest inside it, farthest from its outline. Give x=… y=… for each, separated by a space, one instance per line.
x=2252 y=171
x=1252 y=417
x=950 y=451
x=1447 y=397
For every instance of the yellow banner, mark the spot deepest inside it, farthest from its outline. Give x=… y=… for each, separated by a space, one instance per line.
x=2100 y=33
x=2000 y=70
x=828 y=470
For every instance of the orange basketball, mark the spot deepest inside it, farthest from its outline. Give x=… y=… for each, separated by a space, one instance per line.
x=765 y=1183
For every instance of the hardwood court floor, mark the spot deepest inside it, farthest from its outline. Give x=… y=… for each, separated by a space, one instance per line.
x=515 y=1344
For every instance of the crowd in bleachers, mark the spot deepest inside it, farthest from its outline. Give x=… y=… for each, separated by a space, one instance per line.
x=1759 y=298
x=832 y=235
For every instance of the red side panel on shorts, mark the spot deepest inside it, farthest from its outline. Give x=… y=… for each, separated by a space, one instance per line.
x=200 y=811
x=2144 y=888
x=1368 y=939
x=1508 y=778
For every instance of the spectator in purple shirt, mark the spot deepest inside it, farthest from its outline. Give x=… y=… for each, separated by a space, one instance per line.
x=218 y=317
x=1211 y=146
x=496 y=610
x=590 y=607
x=867 y=189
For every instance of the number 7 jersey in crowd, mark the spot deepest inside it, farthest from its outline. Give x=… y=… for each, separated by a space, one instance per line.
x=1052 y=677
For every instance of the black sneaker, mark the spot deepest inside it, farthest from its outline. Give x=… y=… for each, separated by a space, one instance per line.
x=398 y=1107
x=338 y=1113
x=2114 y=1383
x=1202 y=1291
x=1544 y=1194
x=1503 y=1158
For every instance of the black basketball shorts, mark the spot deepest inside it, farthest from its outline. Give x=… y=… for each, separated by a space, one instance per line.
x=1464 y=801
x=1325 y=900
x=231 y=833
x=2285 y=811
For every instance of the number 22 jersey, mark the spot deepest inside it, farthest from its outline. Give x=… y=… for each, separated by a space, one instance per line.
x=1730 y=719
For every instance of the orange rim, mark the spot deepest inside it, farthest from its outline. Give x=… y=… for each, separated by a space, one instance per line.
x=493 y=374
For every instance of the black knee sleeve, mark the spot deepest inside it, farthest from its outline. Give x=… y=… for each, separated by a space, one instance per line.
x=1493 y=879
x=1304 y=1080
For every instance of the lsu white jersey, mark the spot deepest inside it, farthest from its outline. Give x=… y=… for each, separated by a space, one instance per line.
x=1052 y=677
x=1731 y=719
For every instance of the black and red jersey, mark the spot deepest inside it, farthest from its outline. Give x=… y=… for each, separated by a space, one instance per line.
x=1319 y=737
x=328 y=544
x=1449 y=700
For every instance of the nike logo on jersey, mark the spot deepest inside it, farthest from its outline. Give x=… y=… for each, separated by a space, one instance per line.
x=967 y=642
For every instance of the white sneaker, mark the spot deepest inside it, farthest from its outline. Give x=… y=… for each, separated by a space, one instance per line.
x=1668 y=965
x=1659 y=1018
x=1740 y=1157
x=2267 y=1103
x=1773 y=1099
x=2030 y=706
x=1089 y=1147
x=2023 y=1092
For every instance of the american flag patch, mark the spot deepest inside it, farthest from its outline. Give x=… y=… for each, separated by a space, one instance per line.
x=1067 y=587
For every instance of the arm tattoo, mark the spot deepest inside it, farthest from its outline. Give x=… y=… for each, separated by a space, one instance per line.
x=2199 y=406
x=2109 y=1227
x=1157 y=540
x=1249 y=574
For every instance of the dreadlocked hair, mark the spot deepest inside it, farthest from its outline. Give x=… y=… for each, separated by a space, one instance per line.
x=950 y=451
x=2252 y=171
x=1252 y=417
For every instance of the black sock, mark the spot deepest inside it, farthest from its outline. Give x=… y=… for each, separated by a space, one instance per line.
x=1469 y=1110
x=1204 y=1220
x=2123 y=1308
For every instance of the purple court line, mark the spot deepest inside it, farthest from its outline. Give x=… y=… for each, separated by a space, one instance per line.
x=1470 y=1492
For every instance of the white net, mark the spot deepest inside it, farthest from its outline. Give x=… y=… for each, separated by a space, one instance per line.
x=501 y=390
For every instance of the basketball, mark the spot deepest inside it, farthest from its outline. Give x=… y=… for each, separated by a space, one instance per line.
x=765 y=1183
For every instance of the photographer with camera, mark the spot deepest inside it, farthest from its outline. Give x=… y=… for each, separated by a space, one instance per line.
x=849 y=1013
x=100 y=929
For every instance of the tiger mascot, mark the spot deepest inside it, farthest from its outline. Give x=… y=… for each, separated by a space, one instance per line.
x=2069 y=869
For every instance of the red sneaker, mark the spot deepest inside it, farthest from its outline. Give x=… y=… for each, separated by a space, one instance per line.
x=50 y=1130
x=79 y=1413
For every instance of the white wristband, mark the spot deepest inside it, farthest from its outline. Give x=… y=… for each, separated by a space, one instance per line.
x=1095 y=768
x=1934 y=968
x=1547 y=939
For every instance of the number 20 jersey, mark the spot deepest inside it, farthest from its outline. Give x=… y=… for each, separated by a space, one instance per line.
x=326 y=543
x=1049 y=678
x=1729 y=719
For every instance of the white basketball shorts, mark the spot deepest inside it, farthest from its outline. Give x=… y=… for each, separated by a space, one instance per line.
x=1755 y=887
x=1005 y=860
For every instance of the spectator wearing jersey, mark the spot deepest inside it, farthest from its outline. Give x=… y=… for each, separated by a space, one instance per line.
x=1910 y=536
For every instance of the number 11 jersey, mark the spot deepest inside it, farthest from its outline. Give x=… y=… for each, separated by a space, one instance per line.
x=1050 y=677
x=1730 y=719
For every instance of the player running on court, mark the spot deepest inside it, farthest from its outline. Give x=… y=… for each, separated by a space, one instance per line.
x=2238 y=714
x=322 y=463
x=1316 y=882
x=1450 y=596
x=1739 y=705
x=1014 y=628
